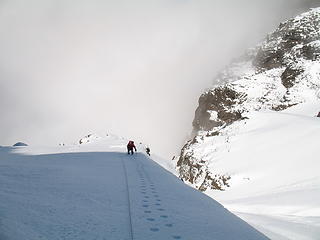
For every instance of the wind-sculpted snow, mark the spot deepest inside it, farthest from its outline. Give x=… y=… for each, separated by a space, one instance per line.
x=104 y=195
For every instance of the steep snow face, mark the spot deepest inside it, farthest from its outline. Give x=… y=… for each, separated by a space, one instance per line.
x=282 y=72
x=279 y=146
x=273 y=164
x=256 y=134
x=97 y=191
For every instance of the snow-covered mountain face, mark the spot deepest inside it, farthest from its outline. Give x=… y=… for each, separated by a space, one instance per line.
x=280 y=73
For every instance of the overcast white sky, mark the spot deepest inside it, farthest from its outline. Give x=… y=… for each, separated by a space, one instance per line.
x=133 y=68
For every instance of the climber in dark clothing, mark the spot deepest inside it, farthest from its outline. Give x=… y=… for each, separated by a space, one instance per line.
x=148 y=150
x=318 y=114
x=130 y=147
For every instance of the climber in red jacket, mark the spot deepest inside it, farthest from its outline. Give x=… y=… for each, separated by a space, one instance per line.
x=130 y=147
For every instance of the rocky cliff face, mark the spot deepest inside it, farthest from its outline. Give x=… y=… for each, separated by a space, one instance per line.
x=281 y=72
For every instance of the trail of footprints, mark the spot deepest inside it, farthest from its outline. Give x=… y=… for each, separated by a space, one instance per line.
x=151 y=202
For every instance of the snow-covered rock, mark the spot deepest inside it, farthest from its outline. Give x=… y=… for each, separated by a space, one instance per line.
x=281 y=72
x=256 y=134
x=89 y=138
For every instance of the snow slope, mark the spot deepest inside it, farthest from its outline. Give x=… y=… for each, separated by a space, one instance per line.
x=255 y=134
x=96 y=191
x=274 y=186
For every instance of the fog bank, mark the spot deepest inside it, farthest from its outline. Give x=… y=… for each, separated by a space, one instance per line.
x=132 y=68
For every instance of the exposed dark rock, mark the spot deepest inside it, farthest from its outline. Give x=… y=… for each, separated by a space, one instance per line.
x=290 y=34
x=85 y=139
x=268 y=58
x=190 y=169
x=220 y=100
x=218 y=182
x=282 y=107
x=311 y=51
x=182 y=158
x=289 y=76
x=229 y=117
x=212 y=134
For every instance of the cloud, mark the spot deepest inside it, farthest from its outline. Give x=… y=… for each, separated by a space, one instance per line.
x=133 y=68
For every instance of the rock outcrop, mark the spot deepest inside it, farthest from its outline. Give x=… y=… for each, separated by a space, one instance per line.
x=281 y=72
x=89 y=138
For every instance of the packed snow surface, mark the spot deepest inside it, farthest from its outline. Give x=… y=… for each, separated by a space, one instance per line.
x=273 y=161
x=96 y=191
